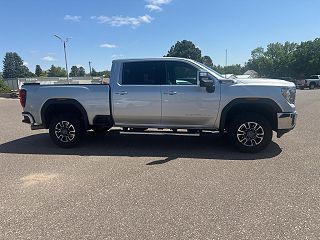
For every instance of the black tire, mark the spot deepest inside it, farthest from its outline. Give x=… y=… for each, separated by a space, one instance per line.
x=250 y=132
x=66 y=131
x=312 y=86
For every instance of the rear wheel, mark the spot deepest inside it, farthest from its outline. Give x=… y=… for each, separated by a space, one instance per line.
x=250 y=132
x=66 y=131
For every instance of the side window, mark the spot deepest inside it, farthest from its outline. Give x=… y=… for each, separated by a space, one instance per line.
x=180 y=73
x=143 y=73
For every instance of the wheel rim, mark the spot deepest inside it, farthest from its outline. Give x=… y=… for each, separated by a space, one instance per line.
x=250 y=134
x=65 y=131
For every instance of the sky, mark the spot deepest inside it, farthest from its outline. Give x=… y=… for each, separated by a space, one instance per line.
x=103 y=30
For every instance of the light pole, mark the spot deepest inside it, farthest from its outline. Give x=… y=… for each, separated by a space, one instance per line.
x=225 y=68
x=65 y=53
x=90 y=67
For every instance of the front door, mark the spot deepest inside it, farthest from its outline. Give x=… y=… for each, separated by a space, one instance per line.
x=184 y=102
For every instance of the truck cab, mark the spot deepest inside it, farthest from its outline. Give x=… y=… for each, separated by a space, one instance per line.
x=163 y=93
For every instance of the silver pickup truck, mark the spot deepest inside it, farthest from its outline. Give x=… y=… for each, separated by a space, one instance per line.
x=164 y=93
x=312 y=82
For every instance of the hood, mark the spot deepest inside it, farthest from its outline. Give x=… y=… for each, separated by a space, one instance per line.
x=265 y=82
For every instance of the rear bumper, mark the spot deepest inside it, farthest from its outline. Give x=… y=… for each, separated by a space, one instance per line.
x=286 y=122
x=29 y=119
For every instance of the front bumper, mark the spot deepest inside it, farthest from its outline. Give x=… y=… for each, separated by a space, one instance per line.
x=286 y=122
x=28 y=118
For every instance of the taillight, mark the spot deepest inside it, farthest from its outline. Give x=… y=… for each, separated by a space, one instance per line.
x=23 y=97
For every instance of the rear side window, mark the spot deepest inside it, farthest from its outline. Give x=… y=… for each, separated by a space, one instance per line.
x=180 y=73
x=143 y=73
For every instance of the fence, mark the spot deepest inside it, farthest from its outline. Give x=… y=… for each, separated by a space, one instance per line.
x=16 y=83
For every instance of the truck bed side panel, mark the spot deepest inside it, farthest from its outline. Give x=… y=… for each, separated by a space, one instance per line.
x=94 y=98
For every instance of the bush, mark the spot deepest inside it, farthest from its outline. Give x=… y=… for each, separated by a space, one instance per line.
x=3 y=87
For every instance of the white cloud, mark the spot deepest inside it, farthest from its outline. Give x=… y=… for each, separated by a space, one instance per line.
x=72 y=18
x=107 y=45
x=25 y=63
x=156 y=5
x=118 y=21
x=145 y=19
x=153 y=8
x=48 y=59
x=101 y=19
x=159 y=2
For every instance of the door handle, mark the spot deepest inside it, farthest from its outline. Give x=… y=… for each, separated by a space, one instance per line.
x=121 y=93
x=170 y=93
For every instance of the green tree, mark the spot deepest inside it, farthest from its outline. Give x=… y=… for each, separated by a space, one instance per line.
x=104 y=74
x=38 y=71
x=3 y=87
x=13 y=66
x=276 y=61
x=44 y=74
x=94 y=73
x=82 y=72
x=236 y=69
x=74 y=71
x=206 y=60
x=56 y=72
x=306 y=59
x=185 y=49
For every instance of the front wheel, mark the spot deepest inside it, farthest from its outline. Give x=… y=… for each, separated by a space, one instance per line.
x=250 y=132
x=65 y=131
x=312 y=86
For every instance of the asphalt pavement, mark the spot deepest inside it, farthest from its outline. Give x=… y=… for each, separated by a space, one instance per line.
x=154 y=186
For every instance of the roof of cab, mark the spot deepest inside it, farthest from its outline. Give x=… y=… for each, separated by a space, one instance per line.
x=152 y=59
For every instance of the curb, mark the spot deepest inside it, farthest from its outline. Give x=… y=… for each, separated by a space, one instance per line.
x=8 y=95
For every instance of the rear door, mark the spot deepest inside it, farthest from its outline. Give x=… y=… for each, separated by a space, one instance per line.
x=136 y=97
x=184 y=102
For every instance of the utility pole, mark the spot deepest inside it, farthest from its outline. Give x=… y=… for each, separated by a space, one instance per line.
x=90 y=67
x=225 y=67
x=64 y=41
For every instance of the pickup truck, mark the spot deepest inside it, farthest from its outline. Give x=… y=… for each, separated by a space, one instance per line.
x=312 y=82
x=164 y=93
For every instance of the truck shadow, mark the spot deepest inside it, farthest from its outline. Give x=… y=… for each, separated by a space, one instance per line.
x=210 y=146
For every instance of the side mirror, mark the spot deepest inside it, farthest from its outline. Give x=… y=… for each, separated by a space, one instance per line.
x=206 y=81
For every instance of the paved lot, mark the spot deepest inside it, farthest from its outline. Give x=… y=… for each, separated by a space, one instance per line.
x=159 y=187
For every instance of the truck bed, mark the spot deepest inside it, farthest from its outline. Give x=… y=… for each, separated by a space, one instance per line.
x=95 y=98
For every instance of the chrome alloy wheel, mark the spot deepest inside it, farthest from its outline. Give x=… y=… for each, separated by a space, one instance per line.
x=65 y=131
x=250 y=134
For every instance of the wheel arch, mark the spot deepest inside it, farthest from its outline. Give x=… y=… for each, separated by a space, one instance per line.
x=54 y=107
x=264 y=106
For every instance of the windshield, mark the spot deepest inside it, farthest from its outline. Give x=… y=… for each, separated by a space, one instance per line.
x=210 y=70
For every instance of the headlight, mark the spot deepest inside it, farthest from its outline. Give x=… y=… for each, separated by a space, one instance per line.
x=289 y=93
